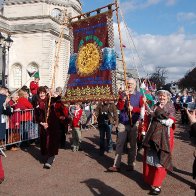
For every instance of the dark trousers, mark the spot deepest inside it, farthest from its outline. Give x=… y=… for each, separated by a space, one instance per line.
x=64 y=130
x=184 y=117
x=105 y=131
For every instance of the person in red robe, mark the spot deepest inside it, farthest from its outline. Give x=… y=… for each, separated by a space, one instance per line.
x=50 y=131
x=159 y=142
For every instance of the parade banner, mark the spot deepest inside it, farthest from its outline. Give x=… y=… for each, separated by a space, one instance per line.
x=92 y=67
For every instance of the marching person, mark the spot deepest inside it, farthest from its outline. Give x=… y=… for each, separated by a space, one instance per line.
x=129 y=105
x=62 y=111
x=50 y=131
x=76 y=128
x=107 y=116
x=159 y=142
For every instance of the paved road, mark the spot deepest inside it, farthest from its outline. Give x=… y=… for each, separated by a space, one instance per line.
x=85 y=173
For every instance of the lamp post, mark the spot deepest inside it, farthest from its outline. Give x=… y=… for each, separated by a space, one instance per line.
x=5 y=44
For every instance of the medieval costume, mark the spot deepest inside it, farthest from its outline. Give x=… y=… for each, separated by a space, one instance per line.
x=129 y=105
x=50 y=134
x=158 y=145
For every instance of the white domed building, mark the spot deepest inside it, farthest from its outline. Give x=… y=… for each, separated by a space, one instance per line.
x=34 y=26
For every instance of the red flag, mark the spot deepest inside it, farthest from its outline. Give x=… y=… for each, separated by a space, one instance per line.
x=123 y=46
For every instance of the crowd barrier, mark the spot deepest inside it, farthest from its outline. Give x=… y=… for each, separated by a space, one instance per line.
x=20 y=127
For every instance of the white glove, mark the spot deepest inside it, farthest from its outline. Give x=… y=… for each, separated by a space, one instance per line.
x=142 y=112
x=168 y=122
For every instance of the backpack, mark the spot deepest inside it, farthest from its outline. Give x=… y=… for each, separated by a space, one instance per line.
x=83 y=118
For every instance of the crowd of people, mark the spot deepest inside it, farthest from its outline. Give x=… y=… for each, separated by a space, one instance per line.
x=141 y=119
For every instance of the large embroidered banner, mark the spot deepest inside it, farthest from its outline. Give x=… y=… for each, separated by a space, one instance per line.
x=92 y=68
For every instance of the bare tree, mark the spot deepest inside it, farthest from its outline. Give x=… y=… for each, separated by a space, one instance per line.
x=159 y=76
x=189 y=80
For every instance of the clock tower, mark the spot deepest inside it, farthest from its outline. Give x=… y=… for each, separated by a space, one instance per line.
x=35 y=26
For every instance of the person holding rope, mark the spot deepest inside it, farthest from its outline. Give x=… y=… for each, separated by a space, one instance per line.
x=129 y=104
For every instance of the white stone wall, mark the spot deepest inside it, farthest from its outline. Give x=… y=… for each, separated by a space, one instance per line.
x=32 y=45
x=25 y=10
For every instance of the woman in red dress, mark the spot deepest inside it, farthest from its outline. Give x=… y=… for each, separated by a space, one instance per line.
x=50 y=131
x=159 y=143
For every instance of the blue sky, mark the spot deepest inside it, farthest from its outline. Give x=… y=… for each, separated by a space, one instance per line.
x=164 y=33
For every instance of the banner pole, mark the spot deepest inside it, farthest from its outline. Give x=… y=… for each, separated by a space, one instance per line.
x=122 y=54
x=96 y=10
x=121 y=45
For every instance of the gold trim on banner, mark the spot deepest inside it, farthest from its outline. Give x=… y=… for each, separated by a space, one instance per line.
x=89 y=59
x=89 y=93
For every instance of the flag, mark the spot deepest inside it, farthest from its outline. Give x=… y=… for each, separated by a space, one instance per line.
x=34 y=74
x=123 y=46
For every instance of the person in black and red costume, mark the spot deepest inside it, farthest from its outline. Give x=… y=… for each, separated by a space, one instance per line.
x=50 y=131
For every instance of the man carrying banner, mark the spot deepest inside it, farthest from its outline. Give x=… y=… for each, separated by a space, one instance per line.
x=129 y=105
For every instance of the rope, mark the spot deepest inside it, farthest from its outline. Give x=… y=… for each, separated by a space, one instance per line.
x=57 y=51
x=130 y=37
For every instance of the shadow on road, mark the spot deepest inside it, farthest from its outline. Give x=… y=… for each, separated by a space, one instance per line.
x=185 y=181
x=98 y=187
x=34 y=151
x=107 y=162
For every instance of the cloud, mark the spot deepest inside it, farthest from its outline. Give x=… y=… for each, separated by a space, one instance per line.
x=170 y=2
x=130 y=5
x=186 y=16
x=175 y=52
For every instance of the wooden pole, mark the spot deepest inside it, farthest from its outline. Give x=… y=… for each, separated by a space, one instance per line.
x=57 y=51
x=122 y=54
x=121 y=45
x=96 y=10
x=22 y=85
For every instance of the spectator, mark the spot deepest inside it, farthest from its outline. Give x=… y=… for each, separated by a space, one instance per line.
x=26 y=117
x=14 y=122
x=4 y=109
x=34 y=85
x=184 y=100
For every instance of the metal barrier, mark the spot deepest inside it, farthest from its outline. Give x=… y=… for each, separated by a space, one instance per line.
x=20 y=127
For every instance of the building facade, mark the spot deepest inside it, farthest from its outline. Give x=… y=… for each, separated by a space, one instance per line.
x=35 y=26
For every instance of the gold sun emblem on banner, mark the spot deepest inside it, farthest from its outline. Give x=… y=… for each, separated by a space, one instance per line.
x=89 y=59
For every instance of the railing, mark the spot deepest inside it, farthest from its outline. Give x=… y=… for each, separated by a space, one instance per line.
x=20 y=127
